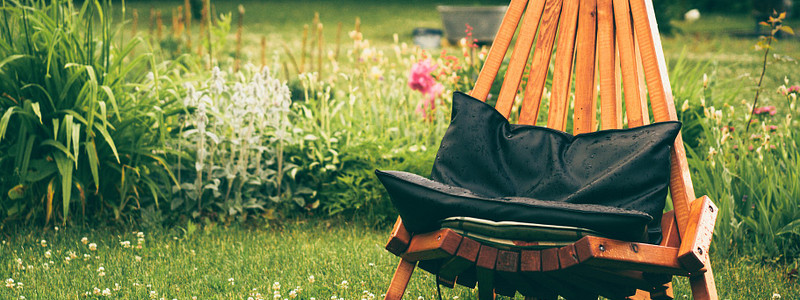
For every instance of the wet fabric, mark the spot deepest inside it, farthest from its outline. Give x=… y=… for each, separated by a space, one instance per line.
x=490 y=158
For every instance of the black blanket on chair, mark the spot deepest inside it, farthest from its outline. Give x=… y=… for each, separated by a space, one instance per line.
x=612 y=181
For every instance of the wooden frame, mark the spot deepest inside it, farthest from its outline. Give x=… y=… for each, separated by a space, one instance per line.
x=613 y=45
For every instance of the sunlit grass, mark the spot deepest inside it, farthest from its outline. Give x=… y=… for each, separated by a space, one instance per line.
x=216 y=262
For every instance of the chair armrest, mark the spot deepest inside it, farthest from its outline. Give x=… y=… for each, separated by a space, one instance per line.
x=695 y=242
x=399 y=239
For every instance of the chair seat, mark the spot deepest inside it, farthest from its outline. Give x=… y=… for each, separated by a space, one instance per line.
x=516 y=235
x=587 y=267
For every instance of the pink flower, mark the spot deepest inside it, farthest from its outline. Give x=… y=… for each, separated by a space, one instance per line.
x=773 y=127
x=793 y=89
x=420 y=79
x=766 y=109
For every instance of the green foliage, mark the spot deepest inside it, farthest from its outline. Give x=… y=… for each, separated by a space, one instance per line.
x=70 y=131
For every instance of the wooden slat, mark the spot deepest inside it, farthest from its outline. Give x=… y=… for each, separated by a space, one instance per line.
x=640 y=82
x=562 y=72
x=540 y=63
x=603 y=252
x=585 y=60
x=669 y=230
x=550 y=260
x=519 y=58
x=627 y=56
x=399 y=238
x=507 y=267
x=655 y=68
x=465 y=257
x=432 y=245
x=693 y=253
x=703 y=286
x=498 y=51
x=487 y=259
x=572 y=270
x=606 y=56
x=400 y=280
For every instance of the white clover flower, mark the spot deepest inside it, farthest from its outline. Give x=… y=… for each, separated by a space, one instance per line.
x=137 y=258
x=311 y=279
x=20 y=285
x=276 y=286
x=46 y=266
x=86 y=256
x=67 y=259
x=101 y=274
x=125 y=244
x=43 y=243
x=293 y=294
x=19 y=261
x=776 y=296
x=230 y=280
x=96 y=291
x=84 y=240
x=140 y=235
x=344 y=285
x=10 y=283
x=420 y=298
x=153 y=294
x=93 y=247
x=117 y=287
x=107 y=292
x=48 y=254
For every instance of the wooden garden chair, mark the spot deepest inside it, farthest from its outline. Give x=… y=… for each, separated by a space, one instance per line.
x=618 y=42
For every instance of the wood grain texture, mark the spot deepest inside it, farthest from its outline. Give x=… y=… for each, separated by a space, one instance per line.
x=607 y=62
x=499 y=48
x=398 y=239
x=703 y=286
x=400 y=280
x=655 y=68
x=627 y=56
x=602 y=252
x=693 y=253
x=669 y=230
x=519 y=58
x=465 y=258
x=640 y=82
x=540 y=64
x=432 y=245
x=562 y=69
x=585 y=61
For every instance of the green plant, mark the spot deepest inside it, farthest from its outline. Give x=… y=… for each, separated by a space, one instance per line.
x=775 y=24
x=235 y=132
x=70 y=128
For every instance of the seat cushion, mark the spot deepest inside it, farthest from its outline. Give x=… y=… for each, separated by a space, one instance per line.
x=484 y=154
x=519 y=235
x=424 y=203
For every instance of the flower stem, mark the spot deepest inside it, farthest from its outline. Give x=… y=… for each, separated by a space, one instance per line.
x=760 y=80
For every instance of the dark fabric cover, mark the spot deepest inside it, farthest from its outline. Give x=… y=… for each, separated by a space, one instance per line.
x=423 y=203
x=485 y=154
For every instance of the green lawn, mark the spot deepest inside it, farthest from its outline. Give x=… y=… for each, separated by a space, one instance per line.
x=235 y=263
x=218 y=262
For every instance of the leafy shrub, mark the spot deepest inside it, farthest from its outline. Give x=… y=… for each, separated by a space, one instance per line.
x=71 y=125
x=233 y=134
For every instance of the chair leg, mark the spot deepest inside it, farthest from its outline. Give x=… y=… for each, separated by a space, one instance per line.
x=703 y=287
x=400 y=280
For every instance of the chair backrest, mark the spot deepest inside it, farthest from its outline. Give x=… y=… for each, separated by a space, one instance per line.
x=616 y=41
